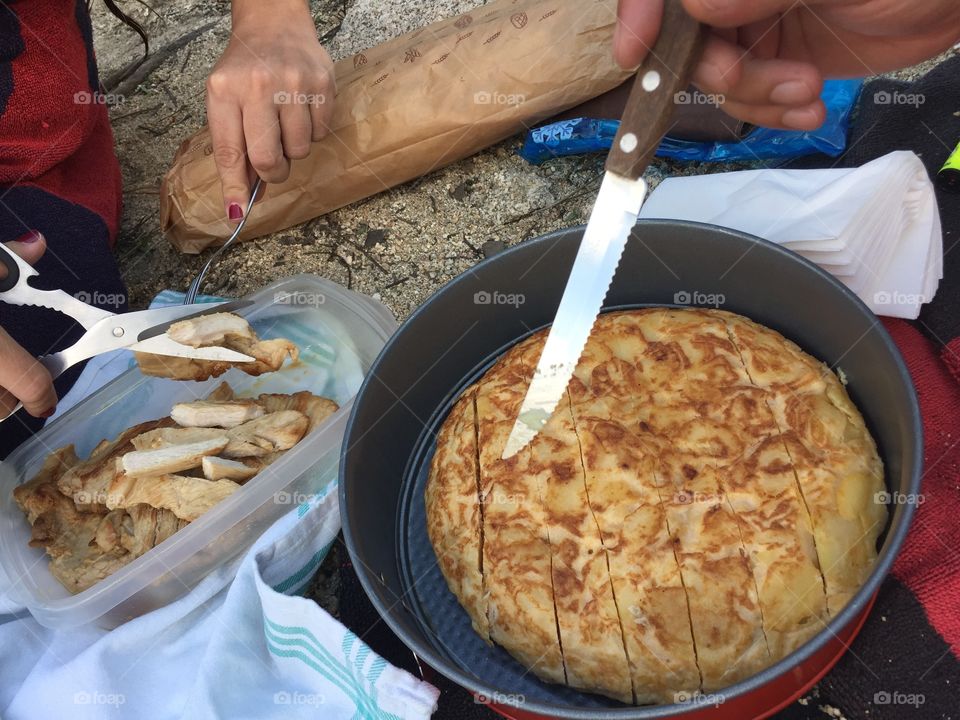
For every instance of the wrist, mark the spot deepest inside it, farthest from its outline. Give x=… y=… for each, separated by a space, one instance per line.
x=257 y=14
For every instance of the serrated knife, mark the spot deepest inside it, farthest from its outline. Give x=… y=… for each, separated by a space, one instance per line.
x=646 y=119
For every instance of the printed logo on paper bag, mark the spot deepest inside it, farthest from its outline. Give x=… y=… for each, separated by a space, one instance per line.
x=359 y=60
x=548 y=14
x=463 y=22
x=412 y=54
x=519 y=20
x=492 y=38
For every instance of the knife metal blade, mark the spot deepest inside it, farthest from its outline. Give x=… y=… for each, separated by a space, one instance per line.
x=661 y=77
x=613 y=217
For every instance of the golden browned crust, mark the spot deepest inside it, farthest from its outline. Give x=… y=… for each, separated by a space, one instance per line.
x=454 y=515
x=699 y=505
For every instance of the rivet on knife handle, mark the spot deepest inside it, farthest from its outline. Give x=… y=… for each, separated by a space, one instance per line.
x=664 y=72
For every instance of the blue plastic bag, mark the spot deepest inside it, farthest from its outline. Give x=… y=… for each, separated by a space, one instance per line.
x=585 y=135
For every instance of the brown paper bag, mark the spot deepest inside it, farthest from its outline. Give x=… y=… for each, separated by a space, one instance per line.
x=412 y=105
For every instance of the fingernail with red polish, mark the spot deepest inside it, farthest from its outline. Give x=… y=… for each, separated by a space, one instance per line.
x=48 y=413
x=234 y=211
x=31 y=236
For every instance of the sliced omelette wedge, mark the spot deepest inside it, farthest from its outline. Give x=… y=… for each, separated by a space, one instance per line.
x=455 y=513
x=835 y=460
x=516 y=545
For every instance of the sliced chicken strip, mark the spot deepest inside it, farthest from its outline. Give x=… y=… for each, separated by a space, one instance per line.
x=211 y=329
x=270 y=433
x=206 y=414
x=188 y=498
x=40 y=494
x=168 y=436
x=144 y=527
x=270 y=356
x=172 y=459
x=316 y=408
x=217 y=468
x=110 y=531
x=69 y=537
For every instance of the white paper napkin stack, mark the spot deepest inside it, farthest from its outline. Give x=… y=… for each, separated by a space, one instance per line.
x=876 y=227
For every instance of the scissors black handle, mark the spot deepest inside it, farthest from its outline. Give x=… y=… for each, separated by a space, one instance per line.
x=13 y=270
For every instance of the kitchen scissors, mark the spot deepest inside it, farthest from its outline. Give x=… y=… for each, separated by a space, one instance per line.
x=141 y=331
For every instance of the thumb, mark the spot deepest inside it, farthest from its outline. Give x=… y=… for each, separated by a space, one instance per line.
x=30 y=247
x=25 y=379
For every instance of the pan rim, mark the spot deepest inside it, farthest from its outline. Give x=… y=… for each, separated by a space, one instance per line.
x=899 y=524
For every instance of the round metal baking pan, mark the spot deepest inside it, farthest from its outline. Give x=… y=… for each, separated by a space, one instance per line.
x=451 y=339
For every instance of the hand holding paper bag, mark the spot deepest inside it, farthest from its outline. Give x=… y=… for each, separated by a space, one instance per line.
x=412 y=105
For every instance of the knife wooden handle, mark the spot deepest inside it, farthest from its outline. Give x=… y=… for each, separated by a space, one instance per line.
x=664 y=72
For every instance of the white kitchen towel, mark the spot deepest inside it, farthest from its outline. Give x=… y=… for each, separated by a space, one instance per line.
x=234 y=647
x=876 y=227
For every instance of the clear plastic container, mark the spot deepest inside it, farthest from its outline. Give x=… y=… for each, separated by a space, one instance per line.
x=339 y=333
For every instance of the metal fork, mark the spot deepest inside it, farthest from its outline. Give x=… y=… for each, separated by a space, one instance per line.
x=194 y=289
